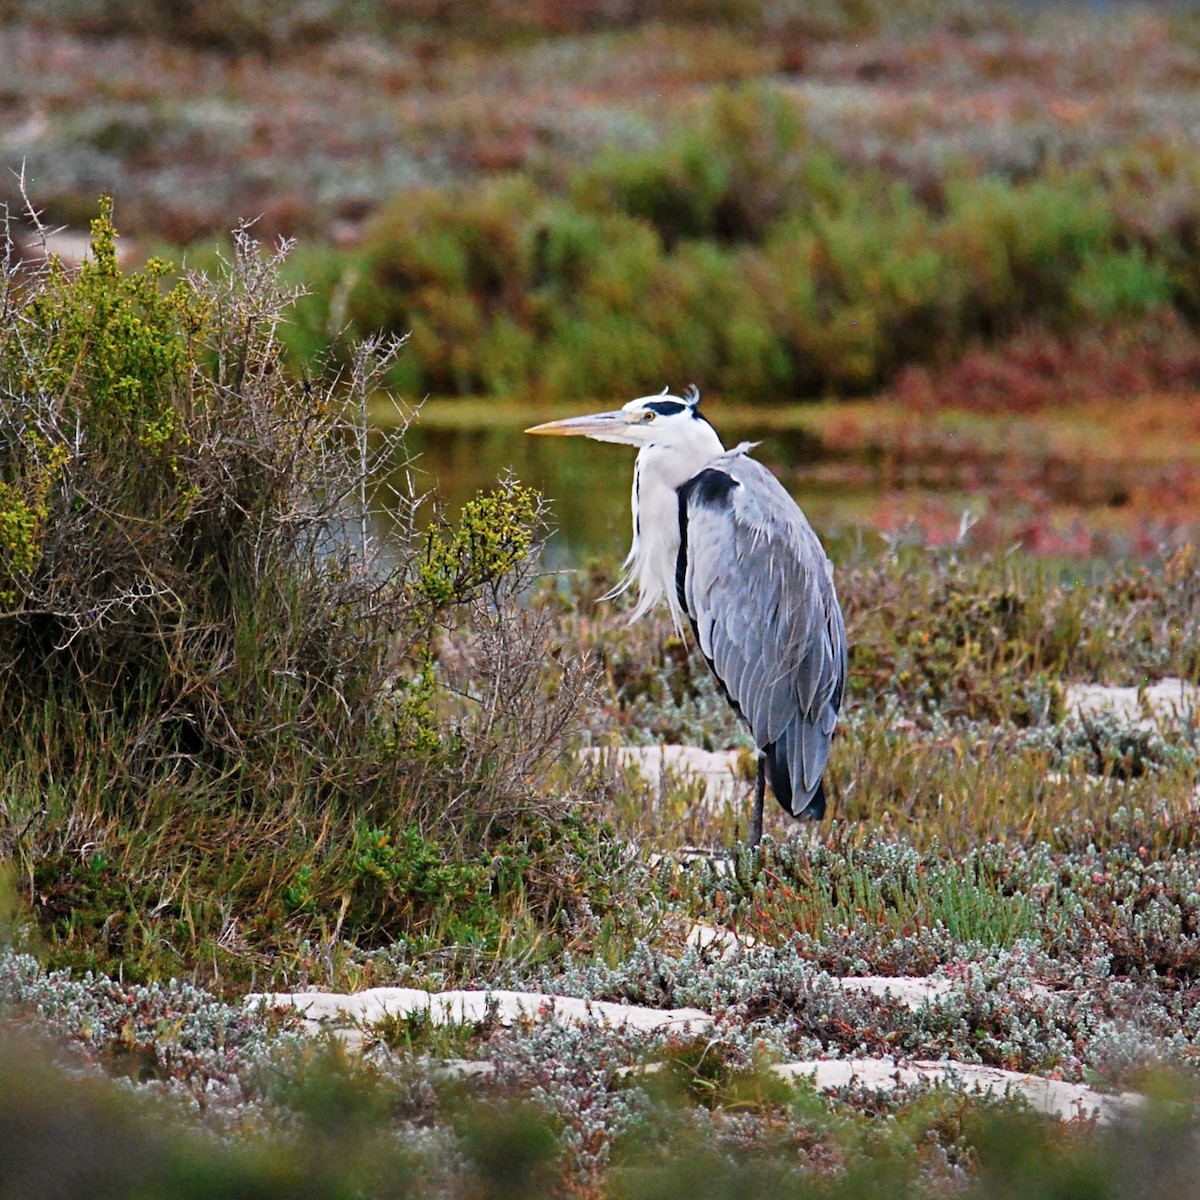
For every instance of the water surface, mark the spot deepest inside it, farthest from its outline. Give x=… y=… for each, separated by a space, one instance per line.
x=587 y=484
x=1076 y=484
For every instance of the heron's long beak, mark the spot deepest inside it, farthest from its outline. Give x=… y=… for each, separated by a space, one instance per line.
x=604 y=427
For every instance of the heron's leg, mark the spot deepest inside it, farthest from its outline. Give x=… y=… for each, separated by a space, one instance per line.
x=760 y=791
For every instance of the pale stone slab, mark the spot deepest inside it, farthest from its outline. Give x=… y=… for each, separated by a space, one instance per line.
x=914 y=991
x=907 y=991
x=724 y=943
x=716 y=769
x=475 y=1007
x=1170 y=699
x=463 y=1068
x=1051 y=1096
x=346 y=1015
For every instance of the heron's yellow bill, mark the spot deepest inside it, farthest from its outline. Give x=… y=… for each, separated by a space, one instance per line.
x=605 y=425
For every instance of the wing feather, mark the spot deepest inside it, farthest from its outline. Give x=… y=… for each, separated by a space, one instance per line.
x=758 y=589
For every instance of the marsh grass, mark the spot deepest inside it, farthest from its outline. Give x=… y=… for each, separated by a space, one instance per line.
x=977 y=783
x=886 y=887
x=955 y=728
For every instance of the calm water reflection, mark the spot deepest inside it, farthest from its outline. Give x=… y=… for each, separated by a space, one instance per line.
x=588 y=483
x=1013 y=482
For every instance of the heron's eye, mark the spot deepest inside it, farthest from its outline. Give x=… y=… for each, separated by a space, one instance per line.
x=648 y=416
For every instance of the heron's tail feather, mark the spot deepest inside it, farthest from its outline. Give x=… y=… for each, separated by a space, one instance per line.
x=622 y=587
x=815 y=809
x=796 y=763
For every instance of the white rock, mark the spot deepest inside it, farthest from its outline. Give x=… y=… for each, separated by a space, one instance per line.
x=1051 y=1096
x=345 y=1016
x=721 y=861
x=474 y=1007
x=716 y=769
x=1171 y=699
x=909 y=991
x=723 y=942
x=352 y=1039
x=463 y=1068
x=913 y=991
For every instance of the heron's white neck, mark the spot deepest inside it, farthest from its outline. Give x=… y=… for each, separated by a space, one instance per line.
x=661 y=469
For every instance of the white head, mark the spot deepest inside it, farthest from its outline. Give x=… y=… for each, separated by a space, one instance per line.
x=675 y=443
x=667 y=422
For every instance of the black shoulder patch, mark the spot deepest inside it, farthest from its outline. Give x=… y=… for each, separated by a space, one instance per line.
x=710 y=488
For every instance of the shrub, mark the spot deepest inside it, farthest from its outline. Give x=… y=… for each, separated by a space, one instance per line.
x=1038 y=368
x=1022 y=246
x=1121 y=285
x=864 y=286
x=232 y=26
x=447 y=270
x=743 y=254
x=745 y=162
x=219 y=686
x=257 y=26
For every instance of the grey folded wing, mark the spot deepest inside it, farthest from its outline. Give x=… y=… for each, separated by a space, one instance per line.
x=758 y=588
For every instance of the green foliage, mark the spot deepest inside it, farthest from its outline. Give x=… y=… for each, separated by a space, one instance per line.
x=511 y=1150
x=447 y=270
x=409 y=877
x=494 y=535
x=748 y=161
x=114 y=350
x=126 y=1147
x=699 y=1071
x=206 y=649
x=108 y=354
x=892 y=887
x=24 y=507
x=1021 y=247
x=1123 y=286
x=744 y=254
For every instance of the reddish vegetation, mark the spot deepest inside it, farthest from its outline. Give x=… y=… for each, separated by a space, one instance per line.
x=1106 y=474
x=1040 y=369
x=313 y=123
x=1029 y=521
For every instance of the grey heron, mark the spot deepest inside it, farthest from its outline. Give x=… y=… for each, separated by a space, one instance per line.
x=718 y=538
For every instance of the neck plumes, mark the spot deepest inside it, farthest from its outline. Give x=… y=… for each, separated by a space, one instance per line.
x=659 y=472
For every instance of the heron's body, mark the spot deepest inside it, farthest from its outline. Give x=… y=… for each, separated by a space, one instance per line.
x=719 y=540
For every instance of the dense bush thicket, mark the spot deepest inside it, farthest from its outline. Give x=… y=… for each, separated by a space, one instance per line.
x=747 y=256
x=986 y=181
x=255 y=26
x=224 y=716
